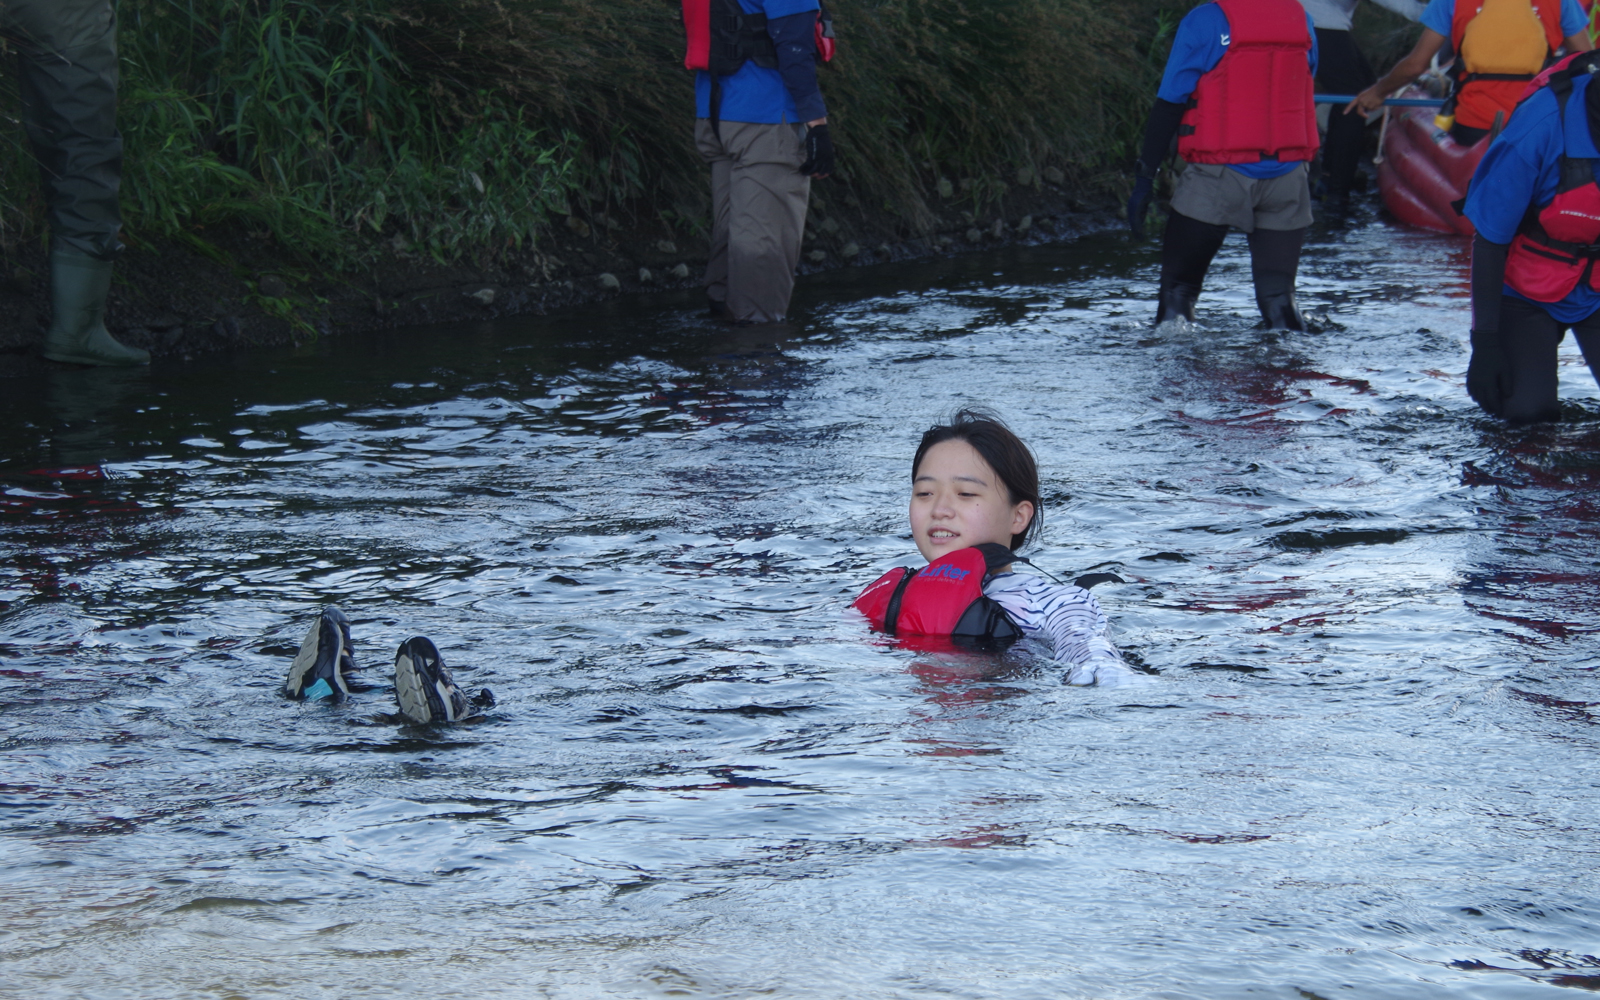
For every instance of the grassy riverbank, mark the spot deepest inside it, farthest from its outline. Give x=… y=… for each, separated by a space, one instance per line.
x=461 y=129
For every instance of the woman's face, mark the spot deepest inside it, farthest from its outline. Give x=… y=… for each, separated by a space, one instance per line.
x=957 y=502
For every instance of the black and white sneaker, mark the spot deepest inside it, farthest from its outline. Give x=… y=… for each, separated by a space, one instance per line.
x=426 y=691
x=322 y=667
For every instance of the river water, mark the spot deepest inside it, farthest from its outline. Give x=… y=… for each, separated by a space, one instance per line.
x=1365 y=768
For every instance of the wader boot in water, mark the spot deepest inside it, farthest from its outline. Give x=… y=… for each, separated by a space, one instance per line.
x=1279 y=311
x=66 y=52
x=78 y=288
x=1177 y=300
x=1187 y=247
x=1274 y=261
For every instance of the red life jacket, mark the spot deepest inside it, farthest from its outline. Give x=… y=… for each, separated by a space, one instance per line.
x=943 y=599
x=1556 y=246
x=722 y=37
x=1478 y=95
x=1256 y=104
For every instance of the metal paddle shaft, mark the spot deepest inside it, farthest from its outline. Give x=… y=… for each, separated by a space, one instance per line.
x=1393 y=102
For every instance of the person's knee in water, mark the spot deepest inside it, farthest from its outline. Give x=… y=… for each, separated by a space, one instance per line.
x=1245 y=124
x=425 y=689
x=974 y=501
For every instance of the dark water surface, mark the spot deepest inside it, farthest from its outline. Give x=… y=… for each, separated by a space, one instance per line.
x=1367 y=768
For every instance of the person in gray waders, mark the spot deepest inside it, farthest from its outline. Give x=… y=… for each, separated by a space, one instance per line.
x=67 y=73
x=761 y=124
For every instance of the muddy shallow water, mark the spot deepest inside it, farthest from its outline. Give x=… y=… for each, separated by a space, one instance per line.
x=1366 y=767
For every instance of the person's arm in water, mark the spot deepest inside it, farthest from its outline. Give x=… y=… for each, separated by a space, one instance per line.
x=795 y=36
x=1519 y=171
x=1488 y=379
x=1070 y=618
x=1412 y=66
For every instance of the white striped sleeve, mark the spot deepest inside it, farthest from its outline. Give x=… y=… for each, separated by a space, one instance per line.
x=1070 y=619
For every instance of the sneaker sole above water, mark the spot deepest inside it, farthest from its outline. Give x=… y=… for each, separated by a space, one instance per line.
x=423 y=685
x=320 y=668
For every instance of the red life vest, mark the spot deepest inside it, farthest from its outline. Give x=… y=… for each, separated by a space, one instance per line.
x=943 y=599
x=1478 y=95
x=722 y=37
x=1556 y=247
x=1256 y=104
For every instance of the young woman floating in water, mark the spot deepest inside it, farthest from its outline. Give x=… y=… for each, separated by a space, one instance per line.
x=974 y=501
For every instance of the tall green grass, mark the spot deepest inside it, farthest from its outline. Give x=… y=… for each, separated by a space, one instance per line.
x=303 y=119
x=465 y=128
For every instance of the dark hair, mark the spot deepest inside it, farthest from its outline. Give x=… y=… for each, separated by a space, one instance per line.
x=1003 y=450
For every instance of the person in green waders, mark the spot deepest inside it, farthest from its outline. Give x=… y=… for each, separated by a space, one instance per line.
x=67 y=73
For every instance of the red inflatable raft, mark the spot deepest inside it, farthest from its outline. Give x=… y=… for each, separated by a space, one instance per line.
x=1424 y=170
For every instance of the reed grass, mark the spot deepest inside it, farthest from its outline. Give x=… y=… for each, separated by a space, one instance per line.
x=466 y=128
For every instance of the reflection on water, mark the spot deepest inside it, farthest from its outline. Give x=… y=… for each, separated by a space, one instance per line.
x=1366 y=770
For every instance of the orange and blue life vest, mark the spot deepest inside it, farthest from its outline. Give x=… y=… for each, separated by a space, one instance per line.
x=1500 y=46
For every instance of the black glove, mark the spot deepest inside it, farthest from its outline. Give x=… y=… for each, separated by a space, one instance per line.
x=1139 y=204
x=1488 y=375
x=819 y=152
x=1159 y=131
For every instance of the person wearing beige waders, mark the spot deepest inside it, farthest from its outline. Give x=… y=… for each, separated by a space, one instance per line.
x=67 y=73
x=762 y=126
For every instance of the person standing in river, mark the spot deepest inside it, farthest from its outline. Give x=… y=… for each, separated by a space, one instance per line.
x=67 y=73
x=1342 y=69
x=761 y=124
x=1246 y=128
x=1535 y=202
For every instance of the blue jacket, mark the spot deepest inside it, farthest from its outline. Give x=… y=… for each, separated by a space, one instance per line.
x=1522 y=169
x=772 y=96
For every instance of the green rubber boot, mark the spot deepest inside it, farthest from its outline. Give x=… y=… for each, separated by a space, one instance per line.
x=78 y=288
